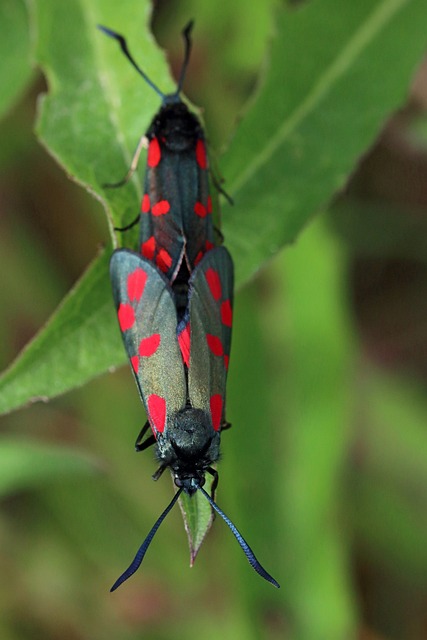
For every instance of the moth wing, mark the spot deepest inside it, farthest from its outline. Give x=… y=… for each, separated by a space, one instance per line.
x=161 y=234
x=196 y=204
x=148 y=323
x=176 y=218
x=210 y=322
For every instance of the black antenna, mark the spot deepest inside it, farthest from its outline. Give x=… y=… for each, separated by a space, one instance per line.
x=123 y=45
x=240 y=539
x=187 y=52
x=186 y=34
x=136 y=562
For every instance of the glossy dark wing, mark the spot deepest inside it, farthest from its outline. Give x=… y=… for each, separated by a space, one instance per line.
x=148 y=321
x=210 y=322
x=176 y=210
x=198 y=223
x=161 y=232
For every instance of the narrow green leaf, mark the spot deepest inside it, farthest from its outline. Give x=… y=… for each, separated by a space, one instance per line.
x=198 y=518
x=313 y=405
x=337 y=70
x=80 y=340
x=27 y=465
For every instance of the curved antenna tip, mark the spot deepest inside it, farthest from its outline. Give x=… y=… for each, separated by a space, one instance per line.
x=242 y=542
x=136 y=562
x=125 y=50
x=186 y=33
x=106 y=30
x=188 y=27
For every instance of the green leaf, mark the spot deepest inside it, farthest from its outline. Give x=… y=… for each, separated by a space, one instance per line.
x=336 y=72
x=80 y=340
x=15 y=72
x=313 y=404
x=27 y=465
x=198 y=518
x=97 y=107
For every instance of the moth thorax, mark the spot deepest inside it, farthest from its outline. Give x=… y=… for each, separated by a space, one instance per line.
x=176 y=127
x=192 y=433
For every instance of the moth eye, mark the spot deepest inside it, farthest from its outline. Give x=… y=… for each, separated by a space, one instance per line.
x=178 y=482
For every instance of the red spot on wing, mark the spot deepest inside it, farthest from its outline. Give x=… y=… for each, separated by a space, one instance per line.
x=164 y=260
x=215 y=344
x=208 y=246
x=145 y=206
x=198 y=257
x=160 y=208
x=200 y=210
x=126 y=316
x=184 y=343
x=214 y=283
x=136 y=284
x=154 y=153
x=157 y=412
x=227 y=313
x=209 y=204
x=226 y=362
x=148 y=346
x=135 y=363
x=216 y=410
x=148 y=248
x=201 y=154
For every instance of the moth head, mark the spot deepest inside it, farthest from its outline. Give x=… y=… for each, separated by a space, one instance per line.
x=193 y=447
x=176 y=127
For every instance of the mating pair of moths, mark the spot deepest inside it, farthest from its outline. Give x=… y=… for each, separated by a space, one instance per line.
x=174 y=305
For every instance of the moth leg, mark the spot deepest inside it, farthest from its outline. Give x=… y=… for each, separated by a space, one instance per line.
x=213 y=473
x=142 y=143
x=219 y=236
x=159 y=472
x=128 y=226
x=141 y=446
x=217 y=184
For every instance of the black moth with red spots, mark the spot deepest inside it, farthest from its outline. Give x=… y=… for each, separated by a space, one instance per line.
x=180 y=367
x=174 y=305
x=176 y=227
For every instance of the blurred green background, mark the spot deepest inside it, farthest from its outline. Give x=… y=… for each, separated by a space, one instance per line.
x=325 y=468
